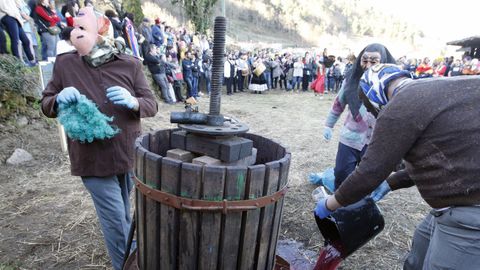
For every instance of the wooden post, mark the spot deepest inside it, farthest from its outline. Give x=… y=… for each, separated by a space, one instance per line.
x=213 y=182
x=232 y=222
x=190 y=187
x=169 y=215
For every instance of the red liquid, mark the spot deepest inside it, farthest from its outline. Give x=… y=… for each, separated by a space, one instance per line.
x=329 y=258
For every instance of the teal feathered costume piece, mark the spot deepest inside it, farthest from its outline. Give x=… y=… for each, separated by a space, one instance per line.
x=84 y=122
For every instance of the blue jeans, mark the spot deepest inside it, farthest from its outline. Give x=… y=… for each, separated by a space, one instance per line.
x=195 y=86
x=207 y=84
x=49 y=44
x=162 y=81
x=268 y=79
x=110 y=196
x=346 y=161
x=16 y=33
x=188 y=82
x=297 y=80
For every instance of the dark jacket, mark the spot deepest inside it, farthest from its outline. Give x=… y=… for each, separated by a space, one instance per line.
x=433 y=125
x=157 y=35
x=152 y=62
x=187 y=66
x=111 y=156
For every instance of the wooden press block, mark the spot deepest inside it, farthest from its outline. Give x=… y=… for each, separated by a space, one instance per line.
x=246 y=161
x=227 y=149
x=180 y=154
x=206 y=160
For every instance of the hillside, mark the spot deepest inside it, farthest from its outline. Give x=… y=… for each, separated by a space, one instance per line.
x=339 y=24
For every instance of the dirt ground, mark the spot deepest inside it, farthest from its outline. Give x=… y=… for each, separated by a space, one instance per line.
x=47 y=220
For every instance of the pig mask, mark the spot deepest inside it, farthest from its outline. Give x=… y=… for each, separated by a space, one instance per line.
x=89 y=29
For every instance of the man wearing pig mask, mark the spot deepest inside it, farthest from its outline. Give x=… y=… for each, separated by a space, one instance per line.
x=116 y=84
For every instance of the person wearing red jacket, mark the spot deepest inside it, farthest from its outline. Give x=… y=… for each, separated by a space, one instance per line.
x=47 y=17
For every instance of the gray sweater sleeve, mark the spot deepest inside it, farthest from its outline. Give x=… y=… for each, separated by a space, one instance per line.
x=396 y=131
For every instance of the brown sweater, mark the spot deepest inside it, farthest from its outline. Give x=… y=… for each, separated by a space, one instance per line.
x=111 y=156
x=434 y=125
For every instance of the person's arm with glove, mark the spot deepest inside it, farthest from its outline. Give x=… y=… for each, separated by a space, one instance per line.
x=68 y=95
x=337 y=109
x=121 y=96
x=398 y=180
x=56 y=93
x=380 y=191
x=140 y=99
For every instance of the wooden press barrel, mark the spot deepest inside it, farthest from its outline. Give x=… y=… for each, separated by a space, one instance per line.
x=181 y=236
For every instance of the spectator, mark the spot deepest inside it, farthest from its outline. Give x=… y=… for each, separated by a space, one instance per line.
x=243 y=71
x=456 y=68
x=69 y=11
x=297 y=73
x=157 y=65
x=116 y=23
x=207 y=72
x=175 y=71
x=307 y=71
x=424 y=70
x=196 y=71
x=46 y=19
x=13 y=21
x=157 y=33
x=204 y=45
x=28 y=26
x=440 y=68
x=187 y=66
x=146 y=32
x=276 y=72
x=229 y=71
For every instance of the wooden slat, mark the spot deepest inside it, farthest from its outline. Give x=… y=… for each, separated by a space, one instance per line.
x=232 y=222
x=266 y=216
x=153 y=163
x=284 y=168
x=213 y=181
x=169 y=215
x=160 y=142
x=267 y=150
x=190 y=187
x=250 y=219
x=140 y=206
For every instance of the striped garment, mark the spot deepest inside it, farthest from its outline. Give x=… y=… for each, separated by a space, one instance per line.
x=355 y=133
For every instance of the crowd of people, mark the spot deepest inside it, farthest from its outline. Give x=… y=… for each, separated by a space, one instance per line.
x=181 y=62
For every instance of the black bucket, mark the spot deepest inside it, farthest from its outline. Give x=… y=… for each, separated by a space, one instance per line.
x=351 y=227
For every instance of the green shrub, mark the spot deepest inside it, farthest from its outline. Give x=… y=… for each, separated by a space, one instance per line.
x=16 y=77
x=18 y=86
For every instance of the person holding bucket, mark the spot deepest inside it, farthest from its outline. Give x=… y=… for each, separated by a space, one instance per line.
x=433 y=126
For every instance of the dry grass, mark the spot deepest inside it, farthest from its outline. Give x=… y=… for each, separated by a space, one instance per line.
x=47 y=218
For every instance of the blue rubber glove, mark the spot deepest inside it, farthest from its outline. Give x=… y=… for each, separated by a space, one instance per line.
x=381 y=191
x=321 y=209
x=327 y=133
x=68 y=95
x=121 y=96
